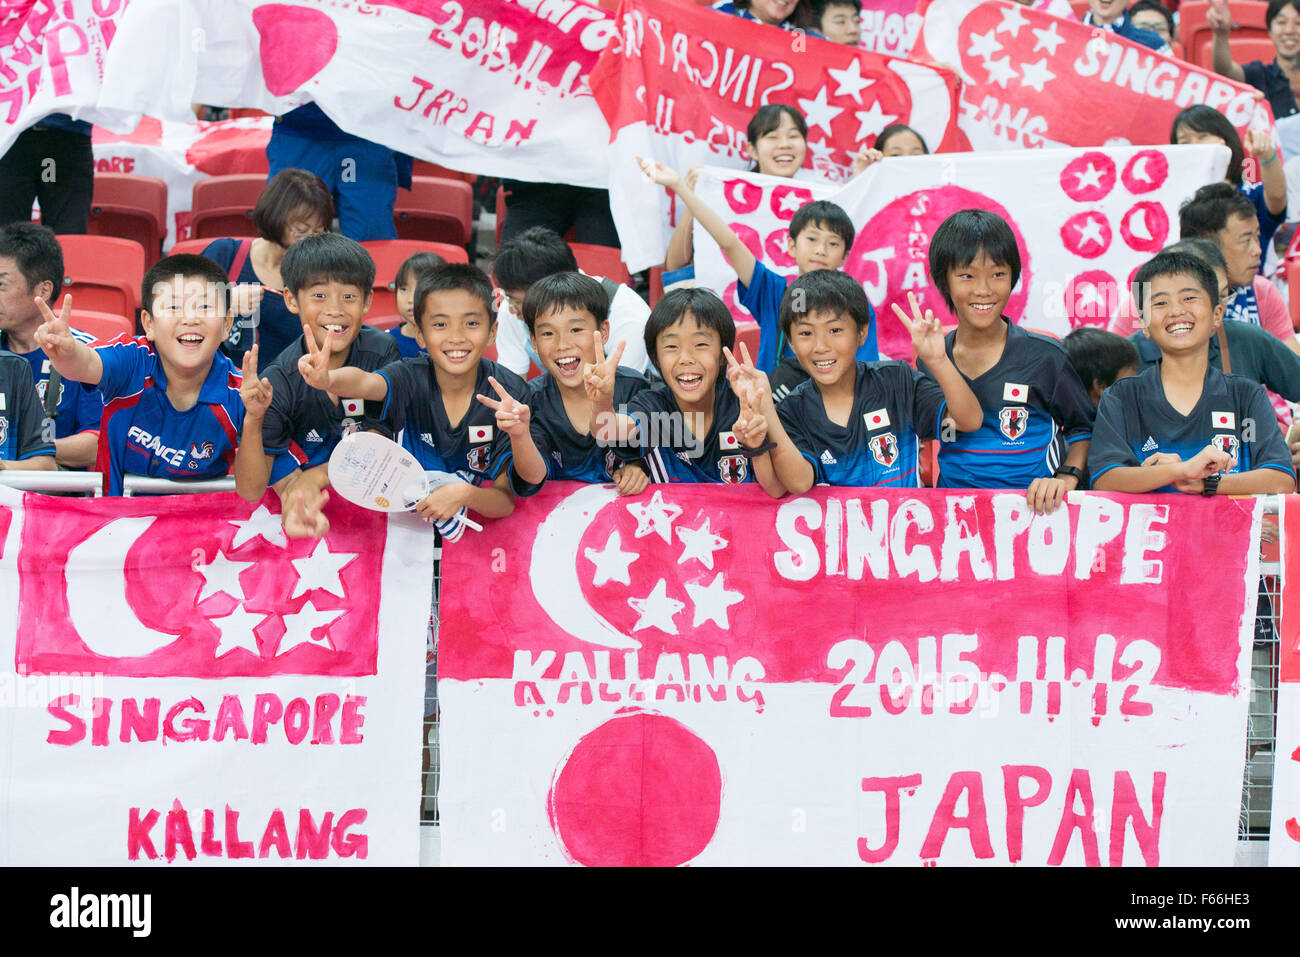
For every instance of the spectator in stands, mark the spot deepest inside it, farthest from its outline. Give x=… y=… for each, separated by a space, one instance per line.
x=294 y=204
x=1153 y=16
x=559 y=207
x=1100 y=357
x=1110 y=15
x=31 y=267
x=786 y=14
x=362 y=177
x=24 y=440
x=51 y=162
x=1205 y=124
x=540 y=252
x=407 y=277
x=898 y=139
x=1272 y=79
x=839 y=21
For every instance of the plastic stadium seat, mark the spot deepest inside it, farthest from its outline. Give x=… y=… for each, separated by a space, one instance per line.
x=130 y=207
x=747 y=332
x=384 y=322
x=603 y=261
x=1080 y=7
x=192 y=247
x=103 y=274
x=425 y=168
x=1195 y=35
x=102 y=325
x=389 y=254
x=435 y=210
x=223 y=205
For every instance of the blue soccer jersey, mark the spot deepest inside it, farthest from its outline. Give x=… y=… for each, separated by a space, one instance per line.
x=673 y=453
x=21 y=418
x=1030 y=397
x=1135 y=421
x=78 y=406
x=569 y=453
x=142 y=433
x=894 y=409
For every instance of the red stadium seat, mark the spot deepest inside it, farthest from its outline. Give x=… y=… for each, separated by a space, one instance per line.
x=389 y=254
x=425 y=168
x=435 y=210
x=1080 y=7
x=102 y=325
x=384 y=322
x=130 y=207
x=103 y=274
x=605 y=261
x=656 y=285
x=1195 y=35
x=747 y=332
x=223 y=205
x=929 y=468
x=192 y=247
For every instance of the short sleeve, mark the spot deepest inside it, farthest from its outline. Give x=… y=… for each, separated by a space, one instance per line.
x=124 y=368
x=403 y=388
x=277 y=424
x=928 y=404
x=1070 y=405
x=1268 y=450
x=790 y=412
x=1109 y=448
x=27 y=418
x=283 y=464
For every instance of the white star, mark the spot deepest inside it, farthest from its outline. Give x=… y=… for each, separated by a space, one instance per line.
x=611 y=563
x=850 y=79
x=221 y=575
x=656 y=610
x=237 y=631
x=321 y=569
x=983 y=44
x=821 y=150
x=260 y=523
x=1000 y=71
x=298 y=628
x=711 y=603
x=1089 y=177
x=818 y=112
x=655 y=517
x=1091 y=232
x=700 y=544
x=1012 y=21
x=873 y=120
x=790 y=202
x=1047 y=40
x=1036 y=74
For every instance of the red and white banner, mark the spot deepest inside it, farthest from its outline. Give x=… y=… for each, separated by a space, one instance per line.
x=1031 y=79
x=892 y=26
x=703 y=675
x=1092 y=218
x=179 y=683
x=51 y=61
x=493 y=87
x=680 y=85
x=1284 y=829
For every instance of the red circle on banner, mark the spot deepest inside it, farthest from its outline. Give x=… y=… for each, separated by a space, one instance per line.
x=1145 y=227
x=786 y=200
x=742 y=196
x=777 y=249
x=296 y=44
x=1086 y=234
x=1091 y=299
x=1088 y=178
x=750 y=237
x=641 y=790
x=1146 y=172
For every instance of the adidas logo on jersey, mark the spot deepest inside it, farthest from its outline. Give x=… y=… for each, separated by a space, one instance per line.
x=314 y=436
x=1150 y=445
x=426 y=438
x=827 y=458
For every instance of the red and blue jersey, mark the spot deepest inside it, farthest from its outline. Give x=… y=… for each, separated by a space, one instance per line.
x=142 y=433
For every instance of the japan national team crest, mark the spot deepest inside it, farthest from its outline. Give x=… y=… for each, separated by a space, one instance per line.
x=611 y=463
x=734 y=469
x=1226 y=443
x=478 y=458
x=884 y=449
x=4 y=429
x=1013 y=420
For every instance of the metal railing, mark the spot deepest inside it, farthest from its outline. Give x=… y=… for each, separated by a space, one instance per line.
x=64 y=483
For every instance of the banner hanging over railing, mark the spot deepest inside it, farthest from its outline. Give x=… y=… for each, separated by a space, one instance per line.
x=706 y=676
x=1284 y=828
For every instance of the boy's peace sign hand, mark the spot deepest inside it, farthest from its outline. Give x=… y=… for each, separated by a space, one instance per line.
x=54 y=334
x=750 y=385
x=302 y=514
x=599 y=376
x=926 y=330
x=512 y=415
x=255 y=392
x=660 y=174
x=315 y=362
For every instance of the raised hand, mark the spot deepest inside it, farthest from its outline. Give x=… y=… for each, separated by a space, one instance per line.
x=693 y=176
x=1259 y=145
x=926 y=330
x=660 y=174
x=512 y=415
x=54 y=334
x=751 y=425
x=1218 y=18
x=255 y=392
x=748 y=382
x=599 y=376
x=245 y=297
x=864 y=158
x=315 y=362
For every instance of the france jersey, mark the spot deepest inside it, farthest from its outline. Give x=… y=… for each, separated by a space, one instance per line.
x=671 y=451
x=142 y=433
x=303 y=424
x=894 y=408
x=568 y=453
x=1135 y=421
x=79 y=407
x=1030 y=396
x=21 y=417
x=474 y=446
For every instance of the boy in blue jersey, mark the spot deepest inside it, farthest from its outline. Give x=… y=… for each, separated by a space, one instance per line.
x=1030 y=394
x=24 y=442
x=430 y=398
x=694 y=427
x=290 y=429
x=861 y=423
x=567 y=315
x=1182 y=425
x=821 y=235
x=31 y=267
x=171 y=402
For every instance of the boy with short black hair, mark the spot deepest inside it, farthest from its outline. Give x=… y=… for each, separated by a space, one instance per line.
x=1100 y=358
x=1183 y=425
x=839 y=21
x=172 y=407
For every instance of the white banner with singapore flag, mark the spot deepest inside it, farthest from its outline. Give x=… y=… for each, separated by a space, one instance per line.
x=703 y=675
x=1085 y=220
x=182 y=685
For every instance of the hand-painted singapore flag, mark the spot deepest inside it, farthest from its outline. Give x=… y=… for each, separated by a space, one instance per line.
x=1030 y=79
x=179 y=682
x=680 y=84
x=698 y=675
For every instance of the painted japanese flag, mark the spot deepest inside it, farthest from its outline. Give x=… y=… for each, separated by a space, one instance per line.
x=1015 y=392
x=352 y=406
x=727 y=440
x=876 y=420
x=1223 y=420
x=480 y=433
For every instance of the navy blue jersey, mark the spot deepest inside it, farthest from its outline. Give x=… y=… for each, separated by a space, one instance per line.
x=569 y=453
x=141 y=433
x=1030 y=396
x=302 y=424
x=1135 y=421
x=673 y=454
x=474 y=446
x=79 y=407
x=21 y=417
x=895 y=407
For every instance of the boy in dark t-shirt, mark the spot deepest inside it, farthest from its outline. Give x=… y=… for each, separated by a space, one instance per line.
x=23 y=442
